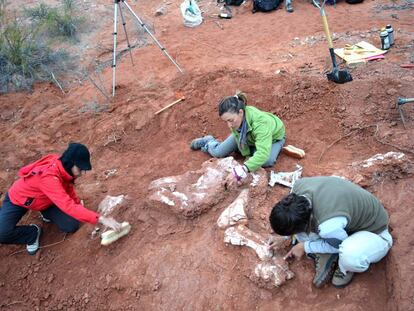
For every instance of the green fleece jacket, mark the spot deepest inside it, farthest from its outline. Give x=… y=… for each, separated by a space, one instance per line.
x=263 y=129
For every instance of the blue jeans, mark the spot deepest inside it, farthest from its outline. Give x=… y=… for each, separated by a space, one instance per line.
x=223 y=149
x=10 y=215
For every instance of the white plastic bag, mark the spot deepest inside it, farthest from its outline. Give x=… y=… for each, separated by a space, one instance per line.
x=191 y=13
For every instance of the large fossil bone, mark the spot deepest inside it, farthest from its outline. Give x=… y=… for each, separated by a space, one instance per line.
x=273 y=270
x=391 y=165
x=235 y=212
x=193 y=192
x=243 y=236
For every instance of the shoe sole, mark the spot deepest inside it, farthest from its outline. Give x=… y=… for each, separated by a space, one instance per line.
x=328 y=272
x=37 y=238
x=343 y=285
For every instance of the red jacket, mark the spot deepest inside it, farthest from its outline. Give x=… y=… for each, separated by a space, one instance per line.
x=44 y=183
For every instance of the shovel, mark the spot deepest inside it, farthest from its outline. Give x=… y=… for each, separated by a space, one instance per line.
x=336 y=75
x=402 y=101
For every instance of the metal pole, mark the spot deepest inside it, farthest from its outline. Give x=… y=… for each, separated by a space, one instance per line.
x=126 y=34
x=152 y=36
x=116 y=2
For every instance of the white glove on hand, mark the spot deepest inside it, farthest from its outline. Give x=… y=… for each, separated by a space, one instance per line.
x=240 y=172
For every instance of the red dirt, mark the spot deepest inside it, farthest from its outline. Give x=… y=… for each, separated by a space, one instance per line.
x=168 y=263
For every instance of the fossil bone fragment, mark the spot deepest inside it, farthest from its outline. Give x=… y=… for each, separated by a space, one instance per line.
x=241 y=235
x=193 y=192
x=234 y=213
x=109 y=203
x=274 y=272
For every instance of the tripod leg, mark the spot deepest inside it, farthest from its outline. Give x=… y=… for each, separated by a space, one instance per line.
x=126 y=34
x=152 y=36
x=114 y=54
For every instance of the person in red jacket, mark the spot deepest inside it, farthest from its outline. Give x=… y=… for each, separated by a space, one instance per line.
x=47 y=186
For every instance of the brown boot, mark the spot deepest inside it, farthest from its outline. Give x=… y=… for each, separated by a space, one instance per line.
x=341 y=280
x=324 y=265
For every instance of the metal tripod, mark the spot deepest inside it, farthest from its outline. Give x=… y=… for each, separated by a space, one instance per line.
x=117 y=4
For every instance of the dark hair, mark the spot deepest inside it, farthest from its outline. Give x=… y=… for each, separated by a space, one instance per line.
x=233 y=103
x=291 y=215
x=76 y=154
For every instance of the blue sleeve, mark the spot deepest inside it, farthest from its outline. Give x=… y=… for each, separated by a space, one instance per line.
x=332 y=233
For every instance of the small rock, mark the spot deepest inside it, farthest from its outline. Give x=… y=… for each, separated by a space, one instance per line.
x=162 y=9
x=50 y=278
x=393 y=123
x=392 y=92
x=156 y=286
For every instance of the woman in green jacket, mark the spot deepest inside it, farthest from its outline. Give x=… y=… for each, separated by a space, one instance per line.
x=254 y=133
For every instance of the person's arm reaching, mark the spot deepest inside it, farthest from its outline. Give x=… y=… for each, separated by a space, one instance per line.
x=332 y=233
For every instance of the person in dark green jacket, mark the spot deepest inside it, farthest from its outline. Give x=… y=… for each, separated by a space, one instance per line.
x=336 y=222
x=257 y=134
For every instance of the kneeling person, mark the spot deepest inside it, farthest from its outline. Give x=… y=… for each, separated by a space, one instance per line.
x=47 y=186
x=337 y=223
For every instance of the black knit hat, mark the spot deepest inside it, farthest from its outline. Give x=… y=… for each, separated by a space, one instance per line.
x=77 y=154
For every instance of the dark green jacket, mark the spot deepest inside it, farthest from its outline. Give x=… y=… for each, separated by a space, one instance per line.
x=334 y=196
x=263 y=129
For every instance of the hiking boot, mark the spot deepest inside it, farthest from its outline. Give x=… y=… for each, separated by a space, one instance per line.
x=324 y=266
x=289 y=6
x=34 y=247
x=341 y=280
x=199 y=143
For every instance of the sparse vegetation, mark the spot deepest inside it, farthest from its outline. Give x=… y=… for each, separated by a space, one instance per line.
x=62 y=21
x=25 y=53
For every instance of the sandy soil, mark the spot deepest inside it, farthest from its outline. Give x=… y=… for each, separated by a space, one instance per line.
x=169 y=263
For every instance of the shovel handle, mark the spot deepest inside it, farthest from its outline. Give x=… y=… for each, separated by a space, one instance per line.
x=326 y=28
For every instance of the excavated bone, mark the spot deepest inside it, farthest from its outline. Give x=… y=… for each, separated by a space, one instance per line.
x=193 y=192
x=274 y=272
x=391 y=165
x=285 y=178
x=109 y=203
x=234 y=213
x=243 y=236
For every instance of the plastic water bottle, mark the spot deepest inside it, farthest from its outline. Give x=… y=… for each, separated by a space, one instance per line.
x=385 y=39
x=390 y=34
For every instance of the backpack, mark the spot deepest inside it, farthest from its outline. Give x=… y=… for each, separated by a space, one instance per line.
x=265 y=5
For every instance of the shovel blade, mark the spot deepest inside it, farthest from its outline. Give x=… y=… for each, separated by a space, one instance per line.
x=339 y=76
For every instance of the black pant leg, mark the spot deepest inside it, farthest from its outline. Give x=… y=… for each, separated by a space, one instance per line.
x=64 y=222
x=10 y=215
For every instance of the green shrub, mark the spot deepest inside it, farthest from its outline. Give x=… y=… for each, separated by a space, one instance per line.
x=25 y=59
x=62 y=21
